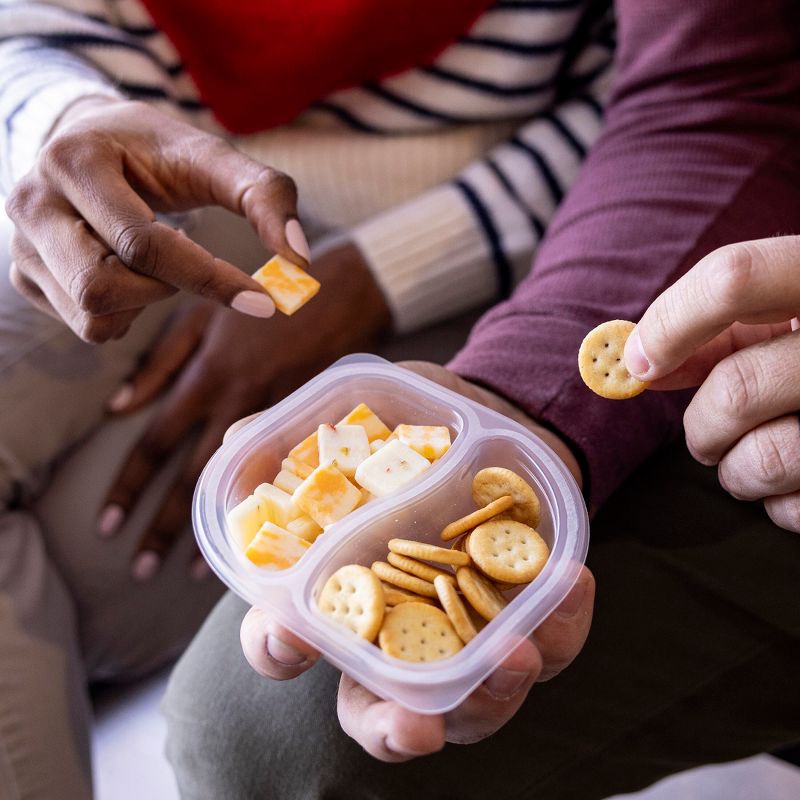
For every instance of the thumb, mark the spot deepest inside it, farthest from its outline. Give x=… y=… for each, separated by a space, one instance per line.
x=171 y=352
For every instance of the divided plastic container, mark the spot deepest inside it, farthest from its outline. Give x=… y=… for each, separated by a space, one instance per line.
x=481 y=438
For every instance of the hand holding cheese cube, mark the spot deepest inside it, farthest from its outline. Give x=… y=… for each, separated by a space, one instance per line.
x=390 y=468
x=289 y=286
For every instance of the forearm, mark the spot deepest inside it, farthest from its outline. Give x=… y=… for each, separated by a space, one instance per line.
x=696 y=153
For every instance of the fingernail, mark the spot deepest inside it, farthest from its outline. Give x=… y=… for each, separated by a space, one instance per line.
x=145 y=565
x=297 y=239
x=283 y=653
x=505 y=683
x=256 y=304
x=110 y=519
x=402 y=751
x=635 y=360
x=199 y=570
x=573 y=602
x=121 y=398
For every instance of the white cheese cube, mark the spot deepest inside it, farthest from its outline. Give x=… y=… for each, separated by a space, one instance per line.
x=279 y=505
x=287 y=481
x=245 y=519
x=344 y=446
x=275 y=548
x=326 y=495
x=305 y=528
x=298 y=468
x=391 y=468
x=431 y=441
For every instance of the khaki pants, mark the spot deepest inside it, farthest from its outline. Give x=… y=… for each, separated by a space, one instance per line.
x=693 y=658
x=69 y=611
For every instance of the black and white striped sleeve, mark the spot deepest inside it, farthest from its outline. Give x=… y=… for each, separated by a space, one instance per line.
x=468 y=242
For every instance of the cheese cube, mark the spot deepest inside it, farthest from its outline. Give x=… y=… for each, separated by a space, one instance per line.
x=279 y=506
x=305 y=528
x=276 y=548
x=288 y=285
x=326 y=495
x=286 y=481
x=298 y=468
x=245 y=519
x=391 y=468
x=431 y=441
x=306 y=452
x=363 y=415
x=344 y=446
x=376 y=445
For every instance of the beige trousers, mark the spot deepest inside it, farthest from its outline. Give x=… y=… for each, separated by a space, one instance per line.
x=69 y=611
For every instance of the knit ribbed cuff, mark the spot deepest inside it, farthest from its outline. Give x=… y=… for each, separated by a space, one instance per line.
x=429 y=258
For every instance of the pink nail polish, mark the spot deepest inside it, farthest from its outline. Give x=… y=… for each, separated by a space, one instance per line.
x=121 y=398
x=297 y=239
x=636 y=361
x=145 y=565
x=256 y=304
x=110 y=519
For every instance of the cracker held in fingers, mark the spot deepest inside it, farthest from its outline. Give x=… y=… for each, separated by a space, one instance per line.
x=601 y=362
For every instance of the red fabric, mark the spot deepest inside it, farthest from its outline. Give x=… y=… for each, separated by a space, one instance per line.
x=259 y=63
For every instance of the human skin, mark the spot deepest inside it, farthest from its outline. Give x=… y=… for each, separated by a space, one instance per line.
x=724 y=327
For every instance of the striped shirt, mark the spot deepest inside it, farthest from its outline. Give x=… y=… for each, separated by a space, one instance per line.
x=540 y=67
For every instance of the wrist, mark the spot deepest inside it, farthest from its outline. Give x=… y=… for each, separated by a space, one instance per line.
x=81 y=108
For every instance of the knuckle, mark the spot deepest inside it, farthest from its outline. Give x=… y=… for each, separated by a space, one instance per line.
x=731 y=386
x=25 y=201
x=91 y=292
x=276 y=184
x=136 y=246
x=69 y=152
x=769 y=460
x=730 y=276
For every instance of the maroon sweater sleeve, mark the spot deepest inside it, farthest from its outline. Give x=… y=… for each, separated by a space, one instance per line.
x=701 y=148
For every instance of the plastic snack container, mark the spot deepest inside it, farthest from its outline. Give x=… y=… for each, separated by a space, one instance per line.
x=481 y=438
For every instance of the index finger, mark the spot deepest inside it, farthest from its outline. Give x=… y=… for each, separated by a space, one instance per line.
x=750 y=282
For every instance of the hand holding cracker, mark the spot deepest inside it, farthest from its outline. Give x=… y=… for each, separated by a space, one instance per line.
x=726 y=327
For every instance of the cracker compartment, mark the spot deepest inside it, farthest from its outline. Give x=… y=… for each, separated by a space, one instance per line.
x=418 y=511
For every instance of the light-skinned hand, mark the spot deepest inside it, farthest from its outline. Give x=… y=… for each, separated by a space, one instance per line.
x=725 y=327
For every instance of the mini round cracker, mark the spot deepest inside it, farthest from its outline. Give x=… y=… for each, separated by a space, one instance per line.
x=491 y=483
x=386 y=572
x=394 y=595
x=508 y=551
x=414 y=567
x=474 y=519
x=480 y=592
x=428 y=552
x=601 y=362
x=416 y=632
x=353 y=596
x=455 y=609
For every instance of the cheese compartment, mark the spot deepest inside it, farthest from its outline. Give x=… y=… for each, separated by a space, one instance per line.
x=419 y=510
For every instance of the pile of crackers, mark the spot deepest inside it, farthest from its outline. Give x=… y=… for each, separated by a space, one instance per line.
x=425 y=602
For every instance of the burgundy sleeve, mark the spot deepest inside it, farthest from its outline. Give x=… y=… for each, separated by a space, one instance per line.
x=701 y=148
